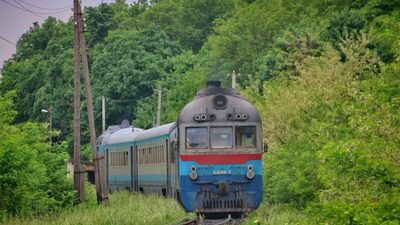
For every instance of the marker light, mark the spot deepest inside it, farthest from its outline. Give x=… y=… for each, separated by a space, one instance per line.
x=250 y=173
x=193 y=173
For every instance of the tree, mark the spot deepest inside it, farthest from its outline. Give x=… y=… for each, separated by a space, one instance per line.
x=125 y=68
x=189 y=22
x=98 y=20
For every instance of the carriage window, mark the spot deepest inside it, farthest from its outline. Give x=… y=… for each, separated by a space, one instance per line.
x=221 y=137
x=245 y=137
x=196 y=137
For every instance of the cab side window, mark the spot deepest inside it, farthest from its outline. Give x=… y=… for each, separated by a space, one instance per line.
x=245 y=137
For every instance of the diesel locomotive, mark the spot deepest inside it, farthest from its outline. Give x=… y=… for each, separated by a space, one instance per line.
x=209 y=159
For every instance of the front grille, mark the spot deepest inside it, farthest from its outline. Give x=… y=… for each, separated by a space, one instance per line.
x=222 y=204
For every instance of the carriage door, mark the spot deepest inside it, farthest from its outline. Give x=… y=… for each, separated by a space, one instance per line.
x=107 y=170
x=135 y=169
x=132 y=171
x=168 y=162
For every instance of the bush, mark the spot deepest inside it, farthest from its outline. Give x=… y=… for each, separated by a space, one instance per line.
x=33 y=176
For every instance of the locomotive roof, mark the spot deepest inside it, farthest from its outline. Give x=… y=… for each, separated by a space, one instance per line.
x=203 y=103
x=217 y=91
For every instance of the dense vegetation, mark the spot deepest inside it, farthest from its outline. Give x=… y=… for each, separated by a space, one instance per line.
x=124 y=209
x=32 y=172
x=323 y=74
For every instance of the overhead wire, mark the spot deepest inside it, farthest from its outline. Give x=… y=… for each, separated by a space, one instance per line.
x=12 y=5
x=121 y=101
x=44 y=13
x=40 y=7
x=5 y=39
x=27 y=9
x=23 y=8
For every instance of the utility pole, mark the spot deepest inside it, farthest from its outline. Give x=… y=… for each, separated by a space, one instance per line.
x=77 y=111
x=51 y=120
x=103 y=114
x=159 y=106
x=233 y=79
x=50 y=112
x=101 y=189
x=101 y=194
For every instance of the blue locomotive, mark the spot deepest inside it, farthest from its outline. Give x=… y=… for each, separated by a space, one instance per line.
x=209 y=159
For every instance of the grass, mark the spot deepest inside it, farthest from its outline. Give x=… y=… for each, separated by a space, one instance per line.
x=123 y=208
x=132 y=209
x=275 y=215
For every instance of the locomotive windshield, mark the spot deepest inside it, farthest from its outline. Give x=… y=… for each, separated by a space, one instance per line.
x=221 y=137
x=245 y=137
x=197 y=137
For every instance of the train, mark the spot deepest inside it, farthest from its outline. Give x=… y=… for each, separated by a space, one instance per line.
x=209 y=159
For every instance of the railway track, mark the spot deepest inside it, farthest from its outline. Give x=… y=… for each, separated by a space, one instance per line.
x=203 y=221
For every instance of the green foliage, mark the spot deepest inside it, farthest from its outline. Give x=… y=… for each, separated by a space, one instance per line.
x=189 y=22
x=347 y=23
x=273 y=214
x=99 y=20
x=41 y=76
x=125 y=69
x=124 y=208
x=260 y=37
x=385 y=31
x=6 y=105
x=185 y=79
x=36 y=40
x=334 y=137
x=32 y=173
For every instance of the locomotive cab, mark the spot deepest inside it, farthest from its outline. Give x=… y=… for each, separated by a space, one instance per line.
x=220 y=149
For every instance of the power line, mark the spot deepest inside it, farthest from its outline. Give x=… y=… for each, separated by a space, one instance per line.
x=28 y=9
x=43 y=13
x=121 y=101
x=35 y=12
x=12 y=5
x=23 y=8
x=39 y=7
x=7 y=40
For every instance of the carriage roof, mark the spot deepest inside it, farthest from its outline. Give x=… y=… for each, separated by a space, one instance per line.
x=155 y=132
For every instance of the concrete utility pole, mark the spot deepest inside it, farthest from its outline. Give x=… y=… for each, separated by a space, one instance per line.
x=78 y=181
x=159 y=106
x=233 y=78
x=50 y=112
x=101 y=188
x=51 y=120
x=103 y=114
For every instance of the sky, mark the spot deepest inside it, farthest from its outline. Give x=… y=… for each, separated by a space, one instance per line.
x=17 y=16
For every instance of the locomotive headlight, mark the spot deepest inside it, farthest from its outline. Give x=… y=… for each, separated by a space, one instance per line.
x=193 y=175
x=250 y=173
x=219 y=102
